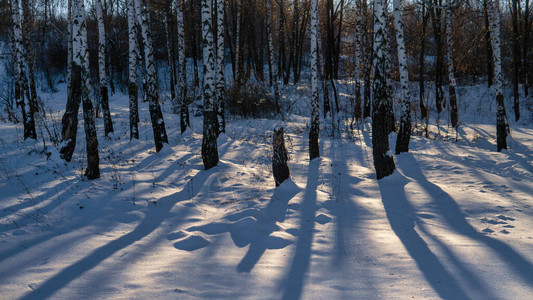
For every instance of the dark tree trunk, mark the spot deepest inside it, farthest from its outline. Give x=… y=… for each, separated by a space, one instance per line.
x=280 y=168
x=108 y=124
x=134 y=110
x=70 y=117
x=453 y=105
x=436 y=17
x=93 y=159
x=501 y=124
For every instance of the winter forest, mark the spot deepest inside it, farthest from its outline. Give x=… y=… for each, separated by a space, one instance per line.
x=266 y=149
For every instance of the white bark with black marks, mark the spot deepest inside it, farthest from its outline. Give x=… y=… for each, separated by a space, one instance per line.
x=22 y=88
x=501 y=116
x=182 y=68
x=383 y=160
x=102 y=77
x=152 y=93
x=220 y=82
x=315 y=125
x=449 y=59
x=132 y=71
x=404 y=134
x=357 y=61
x=209 y=141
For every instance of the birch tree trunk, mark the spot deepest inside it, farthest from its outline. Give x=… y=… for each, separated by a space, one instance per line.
x=69 y=48
x=132 y=78
x=91 y=140
x=220 y=82
x=29 y=55
x=182 y=68
x=237 y=67
x=209 y=140
x=488 y=43
x=368 y=58
x=80 y=92
x=515 y=58
x=104 y=98
x=501 y=116
x=451 y=88
x=357 y=67
x=315 y=126
x=527 y=58
x=70 y=117
x=436 y=18
x=404 y=134
x=22 y=89
x=170 y=56
x=271 y=62
x=421 y=69
x=152 y=93
x=383 y=160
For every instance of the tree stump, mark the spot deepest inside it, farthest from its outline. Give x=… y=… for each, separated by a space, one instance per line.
x=279 y=158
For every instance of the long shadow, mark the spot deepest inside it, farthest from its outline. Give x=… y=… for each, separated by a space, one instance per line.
x=347 y=214
x=294 y=282
x=402 y=215
x=151 y=222
x=275 y=212
x=60 y=189
x=452 y=214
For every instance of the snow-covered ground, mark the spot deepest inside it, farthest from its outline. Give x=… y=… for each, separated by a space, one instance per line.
x=455 y=220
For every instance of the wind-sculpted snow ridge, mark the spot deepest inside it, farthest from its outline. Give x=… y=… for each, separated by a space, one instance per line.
x=453 y=221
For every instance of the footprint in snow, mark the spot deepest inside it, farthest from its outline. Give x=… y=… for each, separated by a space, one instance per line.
x=502 y=217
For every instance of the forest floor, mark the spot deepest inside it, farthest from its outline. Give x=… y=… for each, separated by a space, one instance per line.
x=454 y=221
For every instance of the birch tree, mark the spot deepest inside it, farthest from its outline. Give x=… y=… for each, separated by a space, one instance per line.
x=209 y=140
x=22 y=88
x=152 y=93
x=358 y=59
x=501 y=117
x=28 y=54
x=104 y=98
x=237 y=67
x=315 y=126
x=220 y=82
x=436 y=18
x=272 y=63
x=404 y=134
x=80 y=92
x=516 y=57
x=132 y=74
x=182 y=68
x=167 y=17
x=449 y=57
x=383 y=160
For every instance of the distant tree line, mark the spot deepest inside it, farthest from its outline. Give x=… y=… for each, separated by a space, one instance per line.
x=111 y=44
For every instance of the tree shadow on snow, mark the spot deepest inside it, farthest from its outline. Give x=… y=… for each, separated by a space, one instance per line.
x=154 y=217
x=254 y=227
x=347 y=213
x=446 y=206
x=275 y=212
x=293 y=283
x=402 y=216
